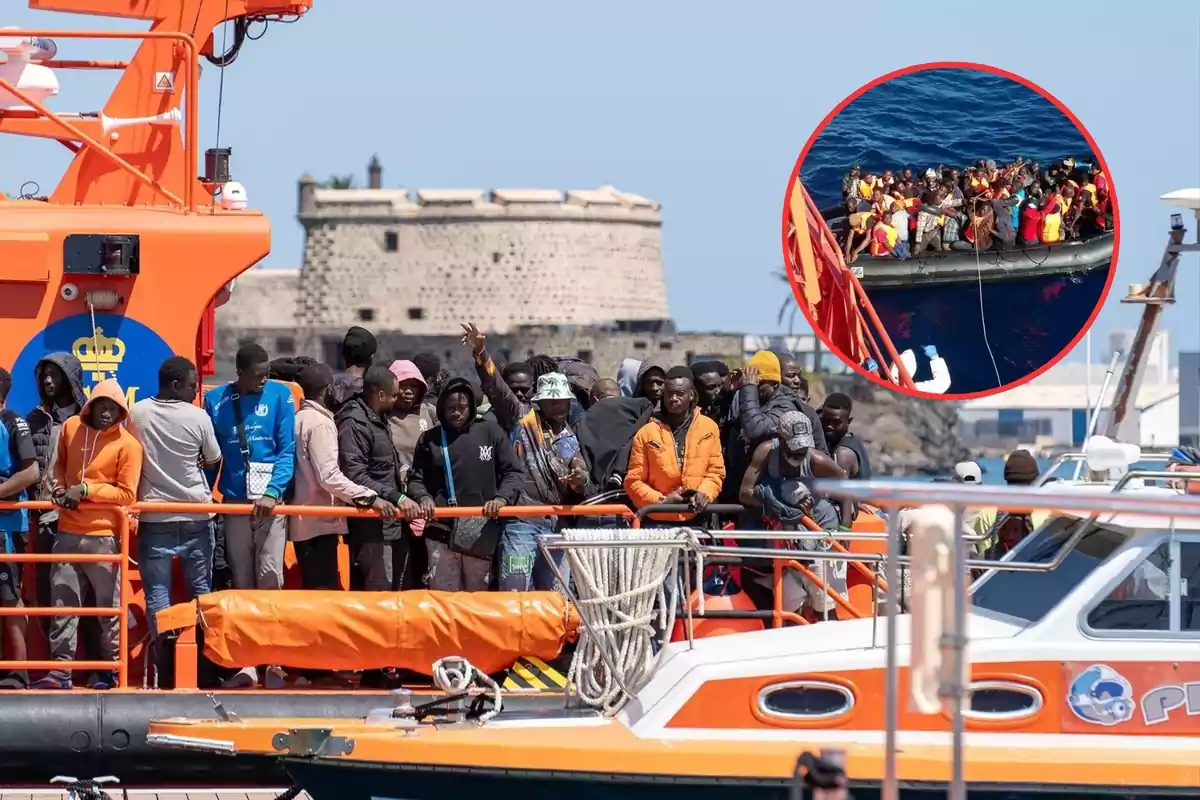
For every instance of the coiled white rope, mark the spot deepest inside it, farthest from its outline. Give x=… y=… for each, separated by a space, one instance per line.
x=623 y=592
x=454 y=675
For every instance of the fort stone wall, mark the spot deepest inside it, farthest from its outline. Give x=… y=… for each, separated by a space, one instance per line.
x=420 y=262
x=576 y=272
x=603 y=346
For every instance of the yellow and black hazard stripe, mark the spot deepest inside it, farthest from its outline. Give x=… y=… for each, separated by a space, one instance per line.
x=533 y=673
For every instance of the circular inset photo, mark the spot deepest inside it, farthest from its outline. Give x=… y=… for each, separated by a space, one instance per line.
x=950 y=230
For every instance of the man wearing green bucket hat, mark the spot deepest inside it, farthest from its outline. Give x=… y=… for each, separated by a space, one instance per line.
x=556 y=474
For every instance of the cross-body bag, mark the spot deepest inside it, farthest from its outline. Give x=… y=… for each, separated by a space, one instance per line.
x=258 y=473
x=476 y=537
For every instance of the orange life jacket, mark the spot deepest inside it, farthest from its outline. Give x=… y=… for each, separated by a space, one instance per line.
x=890 y=233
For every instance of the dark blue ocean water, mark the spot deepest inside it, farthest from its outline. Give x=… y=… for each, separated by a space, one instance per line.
x=940 y=116
x=954 y=117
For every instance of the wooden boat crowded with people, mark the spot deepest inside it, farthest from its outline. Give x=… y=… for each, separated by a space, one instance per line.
x=993 y=316
x=1076 y=259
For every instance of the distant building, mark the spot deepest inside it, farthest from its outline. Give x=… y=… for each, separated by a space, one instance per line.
x=568 y=273
x=1189 y=399
x=1052 y=410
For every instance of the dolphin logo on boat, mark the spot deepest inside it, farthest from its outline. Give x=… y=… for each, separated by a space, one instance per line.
x=1101 y=695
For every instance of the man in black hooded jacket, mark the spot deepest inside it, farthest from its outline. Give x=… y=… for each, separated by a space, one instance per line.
x=483 y=470
x=379 y=548
x=59 y=379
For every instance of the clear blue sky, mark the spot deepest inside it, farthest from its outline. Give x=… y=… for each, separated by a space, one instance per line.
x=701 y=106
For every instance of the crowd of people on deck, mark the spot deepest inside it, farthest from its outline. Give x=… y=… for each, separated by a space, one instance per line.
x=981 y=207
x=403 y=438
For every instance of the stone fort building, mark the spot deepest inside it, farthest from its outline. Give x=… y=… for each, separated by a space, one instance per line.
x=568 y=273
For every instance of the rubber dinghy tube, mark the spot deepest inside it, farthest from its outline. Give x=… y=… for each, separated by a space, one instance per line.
x=952 y=267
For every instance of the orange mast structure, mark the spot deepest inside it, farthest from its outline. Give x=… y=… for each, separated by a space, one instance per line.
x=830 y=293
x=123 y=264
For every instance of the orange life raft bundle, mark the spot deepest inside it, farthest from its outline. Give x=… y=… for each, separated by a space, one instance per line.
x=374 y=630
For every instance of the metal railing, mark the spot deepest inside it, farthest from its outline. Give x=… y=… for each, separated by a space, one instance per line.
x=186 y=668
x=735 y=556
x=700 y=549
x=872 y=331
x=704 y=554
x=121 y=610
x=72 y=126
x=1080 y=461
x=1089 y=506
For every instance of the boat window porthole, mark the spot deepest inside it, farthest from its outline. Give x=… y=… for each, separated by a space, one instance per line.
x=805 y=700
x=997 y=700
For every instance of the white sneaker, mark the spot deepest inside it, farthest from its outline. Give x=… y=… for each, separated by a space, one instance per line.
x=276 y=678
x=243 y=679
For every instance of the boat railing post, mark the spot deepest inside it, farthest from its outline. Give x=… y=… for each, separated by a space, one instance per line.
x=959 y=680
x=686 y=577
x=891 y=693
x=125 y=589
x=875 y=613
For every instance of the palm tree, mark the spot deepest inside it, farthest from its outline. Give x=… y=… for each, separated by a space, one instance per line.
x=788 y=309
x=339 y=182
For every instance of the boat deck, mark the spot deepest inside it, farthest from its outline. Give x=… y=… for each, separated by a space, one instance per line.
x=156 y=794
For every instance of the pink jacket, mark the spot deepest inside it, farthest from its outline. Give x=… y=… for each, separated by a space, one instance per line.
x=319 y=480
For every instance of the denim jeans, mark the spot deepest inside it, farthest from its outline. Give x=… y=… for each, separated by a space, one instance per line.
x=158 y=545
x=520 y=564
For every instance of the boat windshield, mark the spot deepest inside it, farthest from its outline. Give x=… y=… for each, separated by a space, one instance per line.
x=1029 y=596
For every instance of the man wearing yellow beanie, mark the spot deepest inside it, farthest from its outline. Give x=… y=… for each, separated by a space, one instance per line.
x=763 y=400
x=766 y=364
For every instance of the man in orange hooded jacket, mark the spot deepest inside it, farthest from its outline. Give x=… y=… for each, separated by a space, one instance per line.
x=97 y=462
x=676 y=456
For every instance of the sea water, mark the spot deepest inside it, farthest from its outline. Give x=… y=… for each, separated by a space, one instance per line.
x=945 y=116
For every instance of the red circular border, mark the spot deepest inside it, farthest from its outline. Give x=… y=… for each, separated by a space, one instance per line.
x=838 y=109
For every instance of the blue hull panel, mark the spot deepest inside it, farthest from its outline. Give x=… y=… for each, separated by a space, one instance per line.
x=1028 y=322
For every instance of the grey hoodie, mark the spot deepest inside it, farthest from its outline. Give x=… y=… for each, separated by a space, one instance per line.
x=627 y=376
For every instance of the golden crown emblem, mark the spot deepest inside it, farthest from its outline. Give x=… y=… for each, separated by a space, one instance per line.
x=99 y=354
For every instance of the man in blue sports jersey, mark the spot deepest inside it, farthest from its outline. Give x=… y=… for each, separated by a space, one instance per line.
x=18 y=471
x=255 y=423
